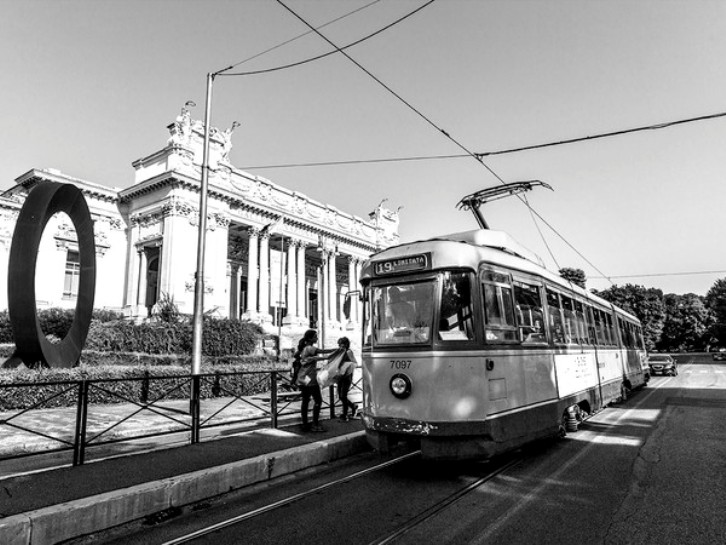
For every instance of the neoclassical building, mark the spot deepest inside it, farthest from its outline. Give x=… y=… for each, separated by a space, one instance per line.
x=273 y=256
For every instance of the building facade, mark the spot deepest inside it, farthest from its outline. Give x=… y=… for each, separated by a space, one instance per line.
x=273 y=256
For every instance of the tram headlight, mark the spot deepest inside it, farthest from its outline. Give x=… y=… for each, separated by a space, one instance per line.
x=400 y=386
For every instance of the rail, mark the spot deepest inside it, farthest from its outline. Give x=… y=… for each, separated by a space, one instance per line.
x=78 y=415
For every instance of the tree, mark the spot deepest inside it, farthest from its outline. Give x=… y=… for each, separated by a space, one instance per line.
x=576 y=276
x=716 y=302
x=687 y=323
x=644 y=303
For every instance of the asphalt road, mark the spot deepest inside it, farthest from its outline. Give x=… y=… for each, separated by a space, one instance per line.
x=650 y=470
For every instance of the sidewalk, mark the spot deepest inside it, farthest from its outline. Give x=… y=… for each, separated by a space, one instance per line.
x=44 y=500
x=59 y=504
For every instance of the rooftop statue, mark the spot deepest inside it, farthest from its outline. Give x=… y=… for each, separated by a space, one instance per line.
x=181 y=129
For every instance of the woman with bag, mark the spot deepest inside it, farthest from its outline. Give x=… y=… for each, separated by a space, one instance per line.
x=307 y=379
x=345 y=378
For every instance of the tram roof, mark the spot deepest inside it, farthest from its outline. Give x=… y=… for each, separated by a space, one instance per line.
x=468 y=248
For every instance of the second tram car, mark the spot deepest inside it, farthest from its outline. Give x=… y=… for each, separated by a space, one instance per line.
x=472 y=348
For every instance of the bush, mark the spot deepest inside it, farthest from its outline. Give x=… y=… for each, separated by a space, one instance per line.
x=222 y=337
x=54 y=321
x=105 y=315
x=6 y=330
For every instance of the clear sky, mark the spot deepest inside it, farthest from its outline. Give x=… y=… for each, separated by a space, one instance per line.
x=90 y=86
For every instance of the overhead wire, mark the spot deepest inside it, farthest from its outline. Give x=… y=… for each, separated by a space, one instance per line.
x=439 y=129
x=657 y=126
x=323 y=55
x=653 y=275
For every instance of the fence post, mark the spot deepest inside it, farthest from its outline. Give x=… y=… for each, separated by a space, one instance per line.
x=145 y=387
x=331 y=400
x=194 y=408
x=273 y=398
x=79 y=443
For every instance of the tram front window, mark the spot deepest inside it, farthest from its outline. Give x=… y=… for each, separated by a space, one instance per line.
x=402 y=314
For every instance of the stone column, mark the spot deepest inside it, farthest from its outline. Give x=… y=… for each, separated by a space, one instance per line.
x=237 y=279
x=302 y=307
x=352 y=286
x=332 y=288
x=358 y=304
x=322 y=296
x=292 y=283
x=141 y=293
x=252 y=253
x=263 y=305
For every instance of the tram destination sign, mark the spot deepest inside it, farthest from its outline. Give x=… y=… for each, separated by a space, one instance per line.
x=418 y=262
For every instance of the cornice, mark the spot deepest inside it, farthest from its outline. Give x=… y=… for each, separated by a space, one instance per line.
x=88 y=189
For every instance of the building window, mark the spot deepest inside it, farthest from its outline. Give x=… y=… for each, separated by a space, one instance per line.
x=73 y=275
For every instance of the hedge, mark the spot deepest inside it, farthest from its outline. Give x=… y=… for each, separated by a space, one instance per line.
x=111 y=333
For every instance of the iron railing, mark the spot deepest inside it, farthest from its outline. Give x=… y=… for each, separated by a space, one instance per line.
x=81 y=414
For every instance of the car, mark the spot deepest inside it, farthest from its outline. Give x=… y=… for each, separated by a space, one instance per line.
x=663 y=364
x=719 y=356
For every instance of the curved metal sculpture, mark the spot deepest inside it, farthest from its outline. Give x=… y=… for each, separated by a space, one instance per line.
x=44 y=200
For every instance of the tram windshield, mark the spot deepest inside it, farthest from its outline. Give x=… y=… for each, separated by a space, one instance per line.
x=402 y=313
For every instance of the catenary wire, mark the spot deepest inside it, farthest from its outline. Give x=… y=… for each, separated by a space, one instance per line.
x=497 y=152
x=323 y=55
x=652 y=275
x=441 y=130
x=302 y=35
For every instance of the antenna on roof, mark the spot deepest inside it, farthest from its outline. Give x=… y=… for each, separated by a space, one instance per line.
x=475 y=200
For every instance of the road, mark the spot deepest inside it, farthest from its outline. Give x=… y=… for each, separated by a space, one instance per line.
x=650 y=470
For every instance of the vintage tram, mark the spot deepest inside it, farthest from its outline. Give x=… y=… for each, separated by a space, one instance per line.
x=471 y=347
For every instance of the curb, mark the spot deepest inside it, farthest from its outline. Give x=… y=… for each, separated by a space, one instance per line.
x=97 y=513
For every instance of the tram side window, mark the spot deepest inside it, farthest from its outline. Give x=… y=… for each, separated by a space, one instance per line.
x=632 y=336
x=568 y=306
x=557 y=324
x=581 y=323
x=612 y=339
x=498 y=307
x=367 y=323
x=456 y=321
x=594 y=320
x=600 y=334
x=623 y=333
x=529 y=313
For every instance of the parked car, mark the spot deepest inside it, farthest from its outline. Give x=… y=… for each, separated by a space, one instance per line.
x=719 y=356
x=663 y=364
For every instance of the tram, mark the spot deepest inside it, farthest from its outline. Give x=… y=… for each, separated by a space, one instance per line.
x=471 y=347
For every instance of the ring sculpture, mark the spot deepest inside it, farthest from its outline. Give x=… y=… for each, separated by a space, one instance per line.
x=44 y=200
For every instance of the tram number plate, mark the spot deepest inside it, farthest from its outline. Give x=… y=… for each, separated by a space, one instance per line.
x=400 y=364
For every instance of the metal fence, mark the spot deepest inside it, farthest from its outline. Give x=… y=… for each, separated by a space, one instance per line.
x=81 y=414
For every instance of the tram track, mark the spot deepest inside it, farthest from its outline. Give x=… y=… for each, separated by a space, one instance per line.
x=440 y=506
x=187 y=538
x=399 y=531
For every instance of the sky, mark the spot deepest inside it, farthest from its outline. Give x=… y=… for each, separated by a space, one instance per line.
x=88 y=87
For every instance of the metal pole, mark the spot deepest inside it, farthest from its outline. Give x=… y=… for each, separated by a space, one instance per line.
x=201 y=240
x=79 y=444
x=322 y=298
x=279 y=301
x=199 y=275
